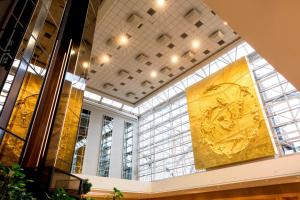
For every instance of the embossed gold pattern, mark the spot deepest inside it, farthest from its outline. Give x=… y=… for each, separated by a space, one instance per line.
x=64 y=133
x=23 y=110
x=226 y=119
x=11 y=147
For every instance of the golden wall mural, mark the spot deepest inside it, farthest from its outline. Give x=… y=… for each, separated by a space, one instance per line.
x=70 y=130
x=226 y=119
x=64 y=134
x=65 y=128
x=22 y=113
x=11 y=147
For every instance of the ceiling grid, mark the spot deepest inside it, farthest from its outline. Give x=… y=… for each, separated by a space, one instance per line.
x=168 y=20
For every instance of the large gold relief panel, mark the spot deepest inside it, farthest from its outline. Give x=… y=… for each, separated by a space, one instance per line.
x=65 y=128
x=226 y=119
x=24 y=107
x=11 y=146
x=70 y=130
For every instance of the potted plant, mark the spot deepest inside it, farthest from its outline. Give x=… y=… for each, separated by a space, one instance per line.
x=117 y=194
x=13 y=183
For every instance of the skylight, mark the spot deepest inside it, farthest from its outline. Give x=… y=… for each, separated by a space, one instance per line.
x=111 y=102
x=92 y=96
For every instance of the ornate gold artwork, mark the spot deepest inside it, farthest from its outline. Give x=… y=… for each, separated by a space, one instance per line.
x=25 y=104
x=64 y=134
x=226 y=119
x=70 y=130
x=11 y=147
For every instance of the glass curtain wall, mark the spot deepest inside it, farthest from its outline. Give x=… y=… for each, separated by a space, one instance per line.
x=81 y=142
x=165 y=147
x=105 y=147
x=127 y=151
x=281 y=102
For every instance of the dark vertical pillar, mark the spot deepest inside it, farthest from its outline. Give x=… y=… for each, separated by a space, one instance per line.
x=69 y=36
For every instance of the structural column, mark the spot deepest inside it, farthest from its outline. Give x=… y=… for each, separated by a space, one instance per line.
x=116 y=157
x=56 y=87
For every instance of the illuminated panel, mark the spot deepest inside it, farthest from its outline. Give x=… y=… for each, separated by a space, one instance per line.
x=11 y=146
x=24 y=107
x=226 y=119
x=65 y=127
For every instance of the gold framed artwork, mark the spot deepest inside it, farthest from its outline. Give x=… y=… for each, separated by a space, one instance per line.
x=226 y=119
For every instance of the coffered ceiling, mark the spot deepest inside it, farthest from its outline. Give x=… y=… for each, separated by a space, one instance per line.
x=140 y=46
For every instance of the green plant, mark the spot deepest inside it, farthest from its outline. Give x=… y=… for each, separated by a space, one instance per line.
x=13 y=183
x=86 y=186
x=87 y=198
x=117 y=194
x=60 y=194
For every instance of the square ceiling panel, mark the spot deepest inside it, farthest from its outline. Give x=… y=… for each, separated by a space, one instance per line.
x=123 y=39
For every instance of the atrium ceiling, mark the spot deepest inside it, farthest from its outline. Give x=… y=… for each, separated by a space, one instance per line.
x=141 y=46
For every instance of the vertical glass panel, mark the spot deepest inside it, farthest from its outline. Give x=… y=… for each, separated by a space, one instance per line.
x=127 y=151
x=105 y=147
x=81 y=142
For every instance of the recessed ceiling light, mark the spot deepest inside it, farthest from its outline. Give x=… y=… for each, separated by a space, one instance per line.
x=122 y=40
x=174 y=59
x=160 y=3
x=105 y=58
x=85 y=64
x=195 y=44
x=225 y=23
x=73 y=52
x=153 y=74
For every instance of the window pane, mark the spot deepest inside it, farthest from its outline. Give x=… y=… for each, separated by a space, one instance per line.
x=105 y=147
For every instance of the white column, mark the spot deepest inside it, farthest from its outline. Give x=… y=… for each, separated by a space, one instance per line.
x=92 y=150
x=115 y=167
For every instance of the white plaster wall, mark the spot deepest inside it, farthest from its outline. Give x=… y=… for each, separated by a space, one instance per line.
x=92 y=152
x=115 y=166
